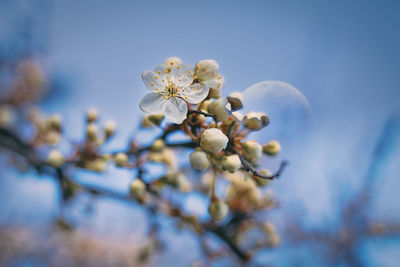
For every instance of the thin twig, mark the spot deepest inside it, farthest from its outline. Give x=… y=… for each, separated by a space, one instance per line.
x=248 y=167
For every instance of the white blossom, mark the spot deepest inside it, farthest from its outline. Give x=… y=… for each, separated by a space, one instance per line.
x=171 y=89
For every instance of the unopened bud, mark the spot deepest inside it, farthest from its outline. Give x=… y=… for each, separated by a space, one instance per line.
x=92 y=115
x=91 y=131
x=199 y=160
x=261 y=181
x=236 y=101
x=252 y=151
x=206 y=69
x=110 y=128
x=121 y=159
x=97 y=165
x=176 y=179
x=272 y=148
x=7 y=116
x=219 y=108
x=255 y=120
x=54 y=122
x=55 y=158
x=158 y=145
x=231 y=163
x=218 y=209
x=156 y=118
x=213 y=140
x=137 y=188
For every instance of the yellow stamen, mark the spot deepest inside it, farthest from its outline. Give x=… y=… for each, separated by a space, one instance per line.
x=159 y=72
x=152 y=84
x=156 y=77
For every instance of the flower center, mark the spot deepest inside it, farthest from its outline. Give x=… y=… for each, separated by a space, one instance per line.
x=171 y=90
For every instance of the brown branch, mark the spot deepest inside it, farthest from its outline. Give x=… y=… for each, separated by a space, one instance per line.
x=201 y=113
x=248 y=167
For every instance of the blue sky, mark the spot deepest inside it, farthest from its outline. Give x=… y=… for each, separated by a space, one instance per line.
x=342 y=55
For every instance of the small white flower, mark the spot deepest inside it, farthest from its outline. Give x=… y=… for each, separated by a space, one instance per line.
x=255 y=120
x=171 y=89
x=207 y=73
x=213 y=140
x=199 y=160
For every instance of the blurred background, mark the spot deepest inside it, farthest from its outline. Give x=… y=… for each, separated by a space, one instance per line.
x=342 y=55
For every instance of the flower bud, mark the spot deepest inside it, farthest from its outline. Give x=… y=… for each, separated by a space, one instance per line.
x=146 y=122
x=236 y=101
x=252 y=151
x=176 y=179
x=156 y=118
x=219 y=108
x=261 y=181
x=172 y=61
x=273 y=237
x=55 y=158
x=7 y=116
x=137 y=188
x=121 y=159
x=206 y=69
x=110 y=128
x=158 y=145
x=213 y=140
x=255 y=120
x=272 y=148
x=231 y=163
x=91 y=132
x=92 y=115
x=199 y=160
x=218 y=209
x=204 y=105
x=54 y=122
x=238 y=115
x=97 y=165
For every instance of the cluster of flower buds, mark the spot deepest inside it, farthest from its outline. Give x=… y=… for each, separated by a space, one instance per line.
x=192 y=99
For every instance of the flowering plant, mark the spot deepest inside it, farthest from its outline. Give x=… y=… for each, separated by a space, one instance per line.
x=180 y=99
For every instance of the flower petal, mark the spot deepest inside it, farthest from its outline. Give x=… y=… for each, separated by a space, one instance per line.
x=182 y=75
x=152 y=103
x=175 y=110
x=195 y=93
x=152 y=81
x=215 y=83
